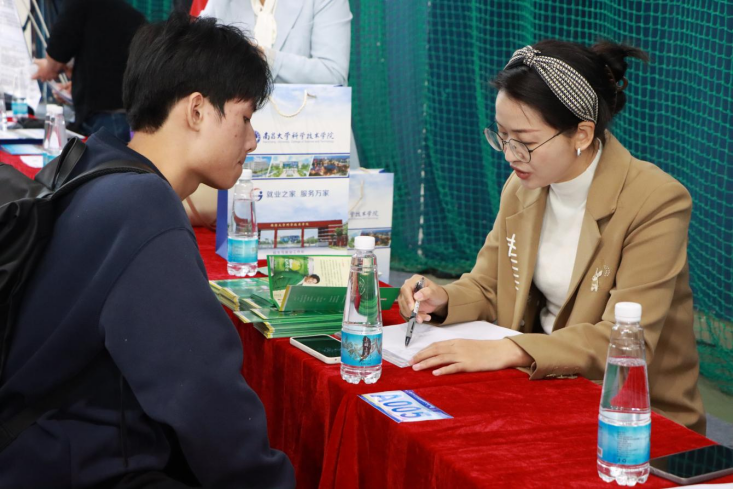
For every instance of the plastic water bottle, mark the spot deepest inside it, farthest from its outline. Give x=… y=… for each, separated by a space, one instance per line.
x=242 y=245
x=624 y=420
x=4 y=115
x=20 y=95
x=54 y=137
x=361 y=332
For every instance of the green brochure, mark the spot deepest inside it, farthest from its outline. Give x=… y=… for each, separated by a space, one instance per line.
x=243 y=294
x=314 y=282
x=299 y=298
x=278 y=330
x=316 y=271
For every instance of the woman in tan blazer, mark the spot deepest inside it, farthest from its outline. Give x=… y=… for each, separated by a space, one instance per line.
x=582 y=225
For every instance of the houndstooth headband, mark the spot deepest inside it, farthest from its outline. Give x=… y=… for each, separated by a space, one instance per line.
x=568 y=85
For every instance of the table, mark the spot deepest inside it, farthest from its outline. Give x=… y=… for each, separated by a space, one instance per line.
x=506 y=431
x=16 y=162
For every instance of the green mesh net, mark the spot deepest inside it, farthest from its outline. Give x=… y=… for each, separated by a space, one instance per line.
x=154 y=10
x=420 y=72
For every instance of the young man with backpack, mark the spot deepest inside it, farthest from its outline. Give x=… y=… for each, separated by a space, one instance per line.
x=116 y=334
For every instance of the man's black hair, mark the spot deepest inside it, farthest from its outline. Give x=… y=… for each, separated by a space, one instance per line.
x=173 y=59
x=313 y=275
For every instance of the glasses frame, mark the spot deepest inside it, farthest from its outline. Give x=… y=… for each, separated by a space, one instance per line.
x=505 y=142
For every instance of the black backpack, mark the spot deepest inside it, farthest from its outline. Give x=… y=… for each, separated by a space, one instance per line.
x=27 y=219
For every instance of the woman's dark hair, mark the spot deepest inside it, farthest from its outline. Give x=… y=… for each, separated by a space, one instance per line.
x=170 y=60
x=603 y=65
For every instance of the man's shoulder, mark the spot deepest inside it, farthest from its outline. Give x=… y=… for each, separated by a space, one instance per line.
x=132 y=202
x=130 y=199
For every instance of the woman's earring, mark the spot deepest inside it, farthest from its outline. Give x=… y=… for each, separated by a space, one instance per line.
x=577 y=151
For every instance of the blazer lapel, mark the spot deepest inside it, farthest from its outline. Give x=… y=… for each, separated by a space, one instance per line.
x=286 y=13
x=602 y=200
x=522 y=240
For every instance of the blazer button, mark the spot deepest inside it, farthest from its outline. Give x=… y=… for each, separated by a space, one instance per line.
x=521 y=323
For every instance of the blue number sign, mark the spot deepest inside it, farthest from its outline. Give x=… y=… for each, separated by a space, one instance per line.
x=404 y=406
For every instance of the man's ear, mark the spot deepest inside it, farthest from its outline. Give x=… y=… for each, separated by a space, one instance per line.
x=584 y=135
x=194 y=109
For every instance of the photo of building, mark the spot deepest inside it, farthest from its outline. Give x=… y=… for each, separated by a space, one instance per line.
x=303 y=234
x=259 y=165
x=330 y=166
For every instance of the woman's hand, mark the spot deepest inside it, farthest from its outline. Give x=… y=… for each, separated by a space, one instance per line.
x=471 y=356
x=432 y=298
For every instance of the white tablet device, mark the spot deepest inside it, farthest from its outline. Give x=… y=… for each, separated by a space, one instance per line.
x=323 y=347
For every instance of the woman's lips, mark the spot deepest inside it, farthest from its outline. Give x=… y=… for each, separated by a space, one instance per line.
x=521 y=174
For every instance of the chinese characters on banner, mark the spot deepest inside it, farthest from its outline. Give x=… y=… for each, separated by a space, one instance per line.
x=300 y=171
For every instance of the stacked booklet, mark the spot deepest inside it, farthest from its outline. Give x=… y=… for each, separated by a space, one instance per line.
x=301 y=295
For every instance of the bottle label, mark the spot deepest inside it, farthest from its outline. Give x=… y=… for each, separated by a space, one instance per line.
x=361 y=350
x=20 y=108
x=624 y=445
x=242 y=250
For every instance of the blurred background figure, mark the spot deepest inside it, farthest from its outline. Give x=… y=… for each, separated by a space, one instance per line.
x=305 y=41
x=96 y=34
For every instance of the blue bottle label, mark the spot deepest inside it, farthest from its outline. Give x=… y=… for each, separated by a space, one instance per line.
x=242 y=250
x=361 y=350
x=47 y=158
x=624 y=445
x=20 y=108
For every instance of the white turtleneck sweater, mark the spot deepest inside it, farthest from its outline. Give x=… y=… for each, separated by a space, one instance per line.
x=559 y=240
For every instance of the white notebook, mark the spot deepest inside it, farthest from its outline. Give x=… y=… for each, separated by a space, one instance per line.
x=424 y=335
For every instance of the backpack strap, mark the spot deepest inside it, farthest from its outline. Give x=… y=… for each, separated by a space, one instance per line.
x=57 y=176
x=58 y=170
x=106 y=168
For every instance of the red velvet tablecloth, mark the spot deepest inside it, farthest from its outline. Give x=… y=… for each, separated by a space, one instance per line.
x=16 y=162
x=506 y=431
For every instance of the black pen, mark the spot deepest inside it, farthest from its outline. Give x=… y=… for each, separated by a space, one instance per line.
x=413 y=317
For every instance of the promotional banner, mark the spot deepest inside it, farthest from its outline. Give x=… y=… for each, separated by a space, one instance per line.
x=370 y=213
x=300 y=172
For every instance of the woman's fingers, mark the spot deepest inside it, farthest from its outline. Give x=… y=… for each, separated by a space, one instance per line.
x=453 y=368
x=406 y=299
x=434 y=350
x=423 y=317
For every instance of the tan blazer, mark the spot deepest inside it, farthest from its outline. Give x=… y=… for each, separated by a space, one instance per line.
x=632 y=247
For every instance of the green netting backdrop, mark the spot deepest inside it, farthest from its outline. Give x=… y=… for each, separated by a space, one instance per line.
x=420 y=72
x=154 y=10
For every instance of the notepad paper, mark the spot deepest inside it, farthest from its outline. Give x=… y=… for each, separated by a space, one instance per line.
x=424 y=335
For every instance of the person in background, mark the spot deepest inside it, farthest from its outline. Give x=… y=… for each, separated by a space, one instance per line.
x=119 y=304
x=96 y=34
x=582 y=225
x=305 y=41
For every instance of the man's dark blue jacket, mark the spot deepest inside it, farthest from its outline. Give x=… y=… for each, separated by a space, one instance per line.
x=122 y=280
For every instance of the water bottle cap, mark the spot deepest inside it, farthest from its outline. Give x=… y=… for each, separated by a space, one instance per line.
x=628 y=311
x=364 y=243
x=246 y=174
x=54 y=109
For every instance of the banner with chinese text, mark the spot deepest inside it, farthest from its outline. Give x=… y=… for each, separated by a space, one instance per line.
x=370 y=213
x=300 y=172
